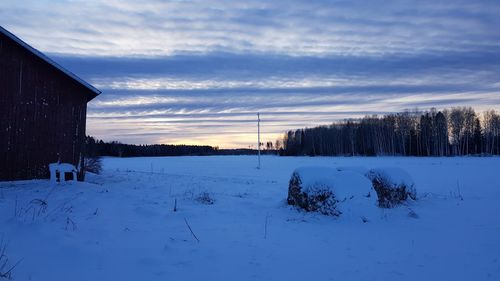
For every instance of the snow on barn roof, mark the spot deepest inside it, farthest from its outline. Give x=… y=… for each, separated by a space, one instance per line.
x=48 y=60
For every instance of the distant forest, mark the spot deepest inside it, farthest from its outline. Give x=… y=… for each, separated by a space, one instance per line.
x=453 y=132
x=97 y=148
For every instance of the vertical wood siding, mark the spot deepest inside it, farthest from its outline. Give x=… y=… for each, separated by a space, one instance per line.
x=42 y=114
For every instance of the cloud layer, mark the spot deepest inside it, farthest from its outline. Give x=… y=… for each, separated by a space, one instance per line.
x=375 y=27
x=199 y=71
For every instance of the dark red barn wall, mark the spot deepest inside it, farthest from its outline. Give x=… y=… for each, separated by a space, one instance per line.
x=42 y=114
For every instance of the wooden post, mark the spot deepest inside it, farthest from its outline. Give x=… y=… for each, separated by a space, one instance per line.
x=258 y=138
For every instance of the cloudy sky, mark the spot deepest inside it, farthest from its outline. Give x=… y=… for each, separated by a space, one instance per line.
x=197 y=72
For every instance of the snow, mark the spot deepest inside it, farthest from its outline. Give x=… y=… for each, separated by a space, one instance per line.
x=343 y=184
x=359 y=169
x=313 y=175
x=120 y=225
x=394 y=178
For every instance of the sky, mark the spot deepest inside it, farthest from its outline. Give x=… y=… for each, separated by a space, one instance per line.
x=197 y=72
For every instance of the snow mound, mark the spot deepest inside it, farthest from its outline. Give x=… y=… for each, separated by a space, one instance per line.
x=393 y=186
x=330 y=191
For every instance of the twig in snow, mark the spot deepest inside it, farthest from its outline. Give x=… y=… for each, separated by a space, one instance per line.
x=412 y=214
x=70 y=223
x=265 y=226
x=459 y=193
x=191 y=230
x=15 y=208
x=62 y=206
x=34 y=209
x=175 y=205
x=7 y=274
x=42 y=205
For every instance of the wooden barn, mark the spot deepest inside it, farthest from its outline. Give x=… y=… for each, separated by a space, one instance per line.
x=43 y=111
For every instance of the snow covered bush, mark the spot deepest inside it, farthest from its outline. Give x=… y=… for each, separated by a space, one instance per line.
x=393 y=186
x=329 y=191
x=205 y=198
x=318 y=197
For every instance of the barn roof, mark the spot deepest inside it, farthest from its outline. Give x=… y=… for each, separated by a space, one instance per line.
x=48 y=60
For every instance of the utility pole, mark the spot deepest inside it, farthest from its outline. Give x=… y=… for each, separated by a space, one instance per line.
x=258 y=137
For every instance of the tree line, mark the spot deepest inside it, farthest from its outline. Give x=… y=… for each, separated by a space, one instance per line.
x=450 y=132
x=97 y=148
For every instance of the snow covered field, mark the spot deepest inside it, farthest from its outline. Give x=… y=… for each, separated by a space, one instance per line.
x=121 y=225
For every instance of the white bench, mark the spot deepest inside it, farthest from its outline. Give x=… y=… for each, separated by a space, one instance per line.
x=60 y=171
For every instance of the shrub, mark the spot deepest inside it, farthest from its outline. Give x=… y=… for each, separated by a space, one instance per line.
x=393 y=186
x=92 y=164
x=316 y=198
x=205 y=198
